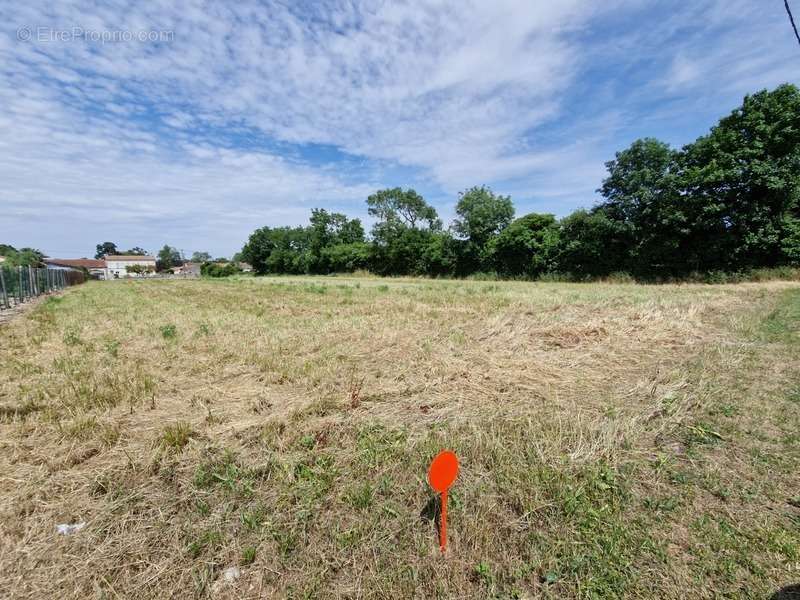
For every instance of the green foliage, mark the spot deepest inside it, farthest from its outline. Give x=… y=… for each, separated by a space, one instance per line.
x=106 y=248
x=200 y=257
x=139 y=269
x=482 y=215
x=168 y=257
x=591 y=244
x=345 y=258
x=277 y=250
x=176 y=436
x=397 y=208
x=209 y=269
x=526 y=246
x=719 y=208
x=248 y=556
x=727 y=202
x=24 y=257
x=743 y=181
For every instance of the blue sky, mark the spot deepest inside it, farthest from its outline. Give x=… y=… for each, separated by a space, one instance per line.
x=194 y=123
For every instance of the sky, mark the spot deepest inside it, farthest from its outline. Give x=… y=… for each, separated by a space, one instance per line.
x=193 y=123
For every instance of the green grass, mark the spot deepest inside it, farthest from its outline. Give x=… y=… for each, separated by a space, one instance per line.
x=176 y=436
x=616 y=440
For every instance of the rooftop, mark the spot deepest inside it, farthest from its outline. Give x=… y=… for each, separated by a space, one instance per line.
x=87 y=263
x=129 y=257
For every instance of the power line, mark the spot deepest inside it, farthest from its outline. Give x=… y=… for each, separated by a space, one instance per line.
x=791 y=20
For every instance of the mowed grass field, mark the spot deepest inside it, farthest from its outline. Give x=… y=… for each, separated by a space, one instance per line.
x=615 y=440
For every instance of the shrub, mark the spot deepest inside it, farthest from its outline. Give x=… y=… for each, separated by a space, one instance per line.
x=209 y=269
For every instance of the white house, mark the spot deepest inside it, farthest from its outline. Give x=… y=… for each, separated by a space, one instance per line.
x=117 y=265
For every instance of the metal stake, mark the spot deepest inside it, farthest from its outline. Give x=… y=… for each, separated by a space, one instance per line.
x=3 y=286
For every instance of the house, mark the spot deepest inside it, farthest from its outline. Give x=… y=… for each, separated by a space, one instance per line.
x=191 y=269
x=97 y=268
x=245 y=267
x=129 y=265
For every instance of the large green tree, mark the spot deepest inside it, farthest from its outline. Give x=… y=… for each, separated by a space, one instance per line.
x=200 y=257
x=590 y=244
x=24 y=257
x=396 y=207
x=526 y=246
x=168 y=257
x=105 y=248
x=278 y=250
x=405 y=227
x=742 y=184
x=482 y=214
x=328 y=230
x=642 y=196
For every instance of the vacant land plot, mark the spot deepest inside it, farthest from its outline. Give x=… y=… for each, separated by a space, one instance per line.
x=615 y=440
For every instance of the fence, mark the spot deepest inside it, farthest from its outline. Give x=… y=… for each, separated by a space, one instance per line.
x=21 y=284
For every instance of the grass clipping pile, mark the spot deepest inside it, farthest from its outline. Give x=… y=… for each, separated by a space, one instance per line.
x=270 y=438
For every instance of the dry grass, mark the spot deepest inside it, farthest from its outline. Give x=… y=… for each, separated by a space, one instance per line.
x=615 y=439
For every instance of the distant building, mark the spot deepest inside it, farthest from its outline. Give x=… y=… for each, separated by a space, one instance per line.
x=191 y=269
x=97 y=268
x=245 y=267
x=118 y=265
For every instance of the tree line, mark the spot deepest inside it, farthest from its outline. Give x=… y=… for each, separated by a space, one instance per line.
x=728 y=202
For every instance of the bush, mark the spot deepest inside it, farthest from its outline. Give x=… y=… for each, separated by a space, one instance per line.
x=209 y=269
x=345 y=258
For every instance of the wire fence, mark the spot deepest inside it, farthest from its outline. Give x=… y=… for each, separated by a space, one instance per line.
x=22 y=284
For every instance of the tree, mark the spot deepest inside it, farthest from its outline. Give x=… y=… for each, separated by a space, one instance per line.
x=328 y=230
x=482 y=214
x=200 y=257
x=168 y=257
x=526 y=246
x=278 y=250
x=398 y=207
x=106 y=248
x=24 y=257
x=346 y=258
x=742 y=185
x=440 y=255
x=406 y=224
x=136 y=251
x=643 y=196
x=139 y=269
x=590 y=244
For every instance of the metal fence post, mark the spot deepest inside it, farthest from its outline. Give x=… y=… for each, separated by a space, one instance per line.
x=3 y=286
x=20 y=293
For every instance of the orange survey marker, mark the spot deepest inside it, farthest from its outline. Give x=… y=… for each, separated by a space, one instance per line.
x=441 y=475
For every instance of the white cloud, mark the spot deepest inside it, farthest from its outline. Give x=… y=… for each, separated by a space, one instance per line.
x=208 y=127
